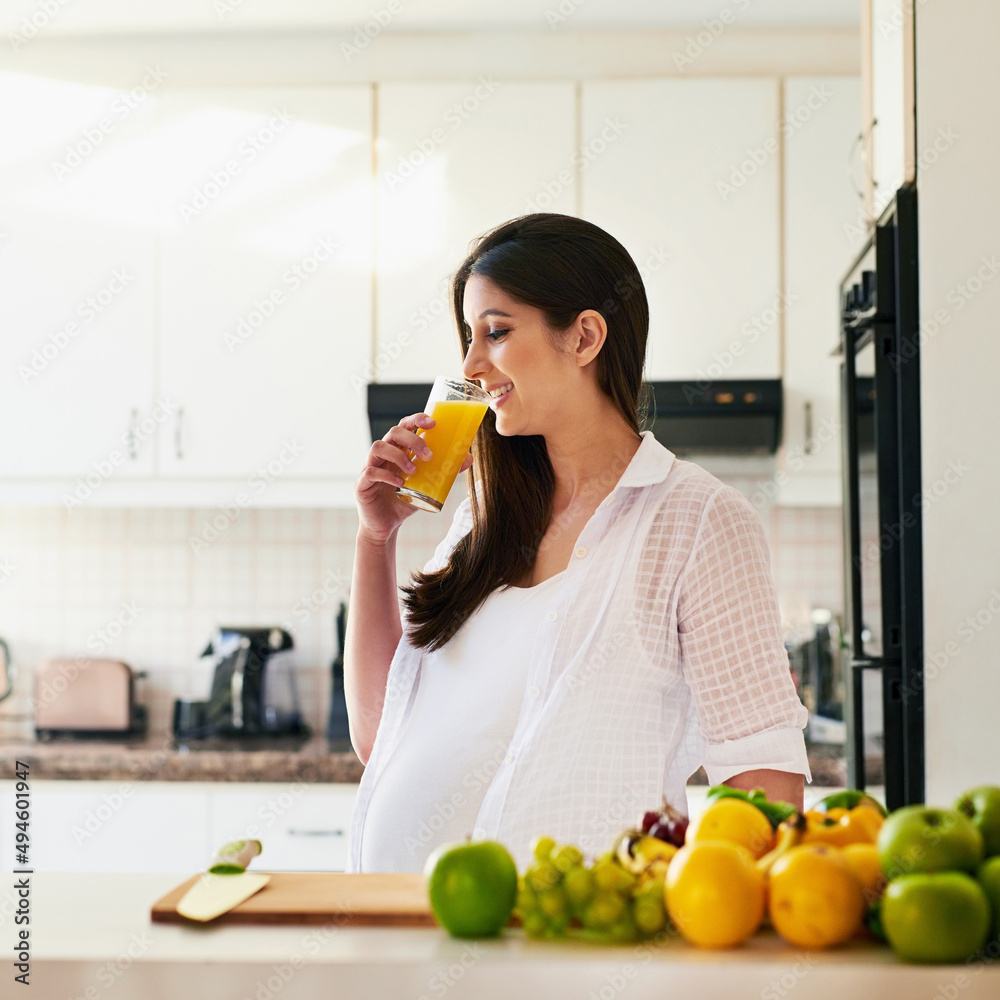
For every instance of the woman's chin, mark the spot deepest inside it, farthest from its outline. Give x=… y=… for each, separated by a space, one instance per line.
x=508 y=427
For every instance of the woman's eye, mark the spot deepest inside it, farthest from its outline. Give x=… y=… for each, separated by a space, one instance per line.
x=493 y=335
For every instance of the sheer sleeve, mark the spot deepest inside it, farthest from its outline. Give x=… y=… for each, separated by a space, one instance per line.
x=732 y=652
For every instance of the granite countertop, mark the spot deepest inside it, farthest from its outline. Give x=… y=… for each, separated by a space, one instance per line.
x=315 y=760
x=160 y=758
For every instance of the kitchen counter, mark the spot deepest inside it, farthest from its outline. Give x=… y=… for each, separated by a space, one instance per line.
x=161 y=759
x=91 y=932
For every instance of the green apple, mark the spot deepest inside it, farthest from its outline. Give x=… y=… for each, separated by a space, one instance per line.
x=982 y=806
x=848 y=799
x=935 y=917
x=472 y=887
x=989 y=879
x=924 y=839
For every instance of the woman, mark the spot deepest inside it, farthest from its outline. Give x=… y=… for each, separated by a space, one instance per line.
x=600 y=619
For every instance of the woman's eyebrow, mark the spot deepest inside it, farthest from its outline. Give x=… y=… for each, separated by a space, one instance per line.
x=493 y=312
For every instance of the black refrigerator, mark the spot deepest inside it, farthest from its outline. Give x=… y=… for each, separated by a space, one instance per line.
x=883 y=504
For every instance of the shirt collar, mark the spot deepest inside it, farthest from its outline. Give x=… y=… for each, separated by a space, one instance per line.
x=649 y=465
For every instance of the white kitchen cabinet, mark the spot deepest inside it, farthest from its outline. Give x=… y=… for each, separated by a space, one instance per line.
x=688 y=181
x=113 y=826
x=454 y=160
x=887 y=138
x=301 y=827
x=176 y=826
x=265 y=297
x=77 y=280
x=890 y=72
x=820 y=120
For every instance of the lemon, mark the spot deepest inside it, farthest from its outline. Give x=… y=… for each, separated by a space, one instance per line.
x=816 y=900
x=736 y=821
x=863 y=860
x=714 y=893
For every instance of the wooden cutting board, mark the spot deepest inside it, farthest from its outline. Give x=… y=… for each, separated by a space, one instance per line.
x=376 y=900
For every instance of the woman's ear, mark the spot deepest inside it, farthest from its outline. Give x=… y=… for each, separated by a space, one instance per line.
x=590 y=332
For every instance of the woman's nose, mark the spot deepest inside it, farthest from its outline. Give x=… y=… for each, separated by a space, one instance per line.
x=475 y=361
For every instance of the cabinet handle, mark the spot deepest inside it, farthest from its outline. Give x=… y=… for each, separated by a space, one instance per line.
x=292 y=832
x=133 y=434
x=810 y=445
x=178 y=449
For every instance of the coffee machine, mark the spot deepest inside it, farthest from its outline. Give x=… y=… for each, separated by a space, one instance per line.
x=253 y=696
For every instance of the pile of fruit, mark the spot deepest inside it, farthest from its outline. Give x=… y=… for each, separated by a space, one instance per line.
x=927 y=880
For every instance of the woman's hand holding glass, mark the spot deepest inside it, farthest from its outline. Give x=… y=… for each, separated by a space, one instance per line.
x=389 y=462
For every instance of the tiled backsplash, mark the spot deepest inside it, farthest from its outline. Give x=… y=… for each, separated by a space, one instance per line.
x=71 y=580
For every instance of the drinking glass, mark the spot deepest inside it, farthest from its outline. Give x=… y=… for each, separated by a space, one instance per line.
x=458 y=407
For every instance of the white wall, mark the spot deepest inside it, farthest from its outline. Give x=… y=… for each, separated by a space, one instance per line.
x=958 y=78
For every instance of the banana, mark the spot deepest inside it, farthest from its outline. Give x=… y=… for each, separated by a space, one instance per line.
x=788 y=835
x=637 y=852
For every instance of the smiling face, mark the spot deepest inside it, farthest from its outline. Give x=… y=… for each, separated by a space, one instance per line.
x=512 y=353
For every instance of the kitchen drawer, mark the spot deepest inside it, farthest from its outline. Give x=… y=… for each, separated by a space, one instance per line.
x=301 y=827
x=113 y=826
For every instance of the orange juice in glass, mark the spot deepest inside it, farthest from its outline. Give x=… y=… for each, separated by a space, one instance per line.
x=458 y=407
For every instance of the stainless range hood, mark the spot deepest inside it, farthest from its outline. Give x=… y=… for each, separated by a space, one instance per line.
x=732 y=417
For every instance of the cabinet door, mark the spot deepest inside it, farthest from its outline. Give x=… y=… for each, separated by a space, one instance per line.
x=454 y=160
x=893 y=111
x=301 y=828
x=688 y=182
x=77 y=216
x=821 y=117
x=114 y=826
x=265 y=300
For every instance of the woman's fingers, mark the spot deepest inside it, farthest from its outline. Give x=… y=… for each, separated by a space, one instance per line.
x=372 y=474
x=402 y=437
x=389 y=458
x=417 y=420
x=384 y=453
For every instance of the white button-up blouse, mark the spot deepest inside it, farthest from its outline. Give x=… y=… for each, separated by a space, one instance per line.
x=661 y=651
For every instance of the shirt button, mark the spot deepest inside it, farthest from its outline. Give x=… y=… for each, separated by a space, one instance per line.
x=533 y=691
x=552 y=616
x=509 y=759
x=581 y=552
x=479 y=833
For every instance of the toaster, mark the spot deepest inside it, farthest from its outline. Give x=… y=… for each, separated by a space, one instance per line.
x=87 y=698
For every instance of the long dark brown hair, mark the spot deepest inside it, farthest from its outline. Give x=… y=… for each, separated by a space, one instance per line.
x=561 y=265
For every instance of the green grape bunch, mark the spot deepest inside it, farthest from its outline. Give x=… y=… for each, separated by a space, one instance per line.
x=559 y=896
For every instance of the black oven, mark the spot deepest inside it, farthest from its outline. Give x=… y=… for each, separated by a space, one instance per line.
x=883 y=600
